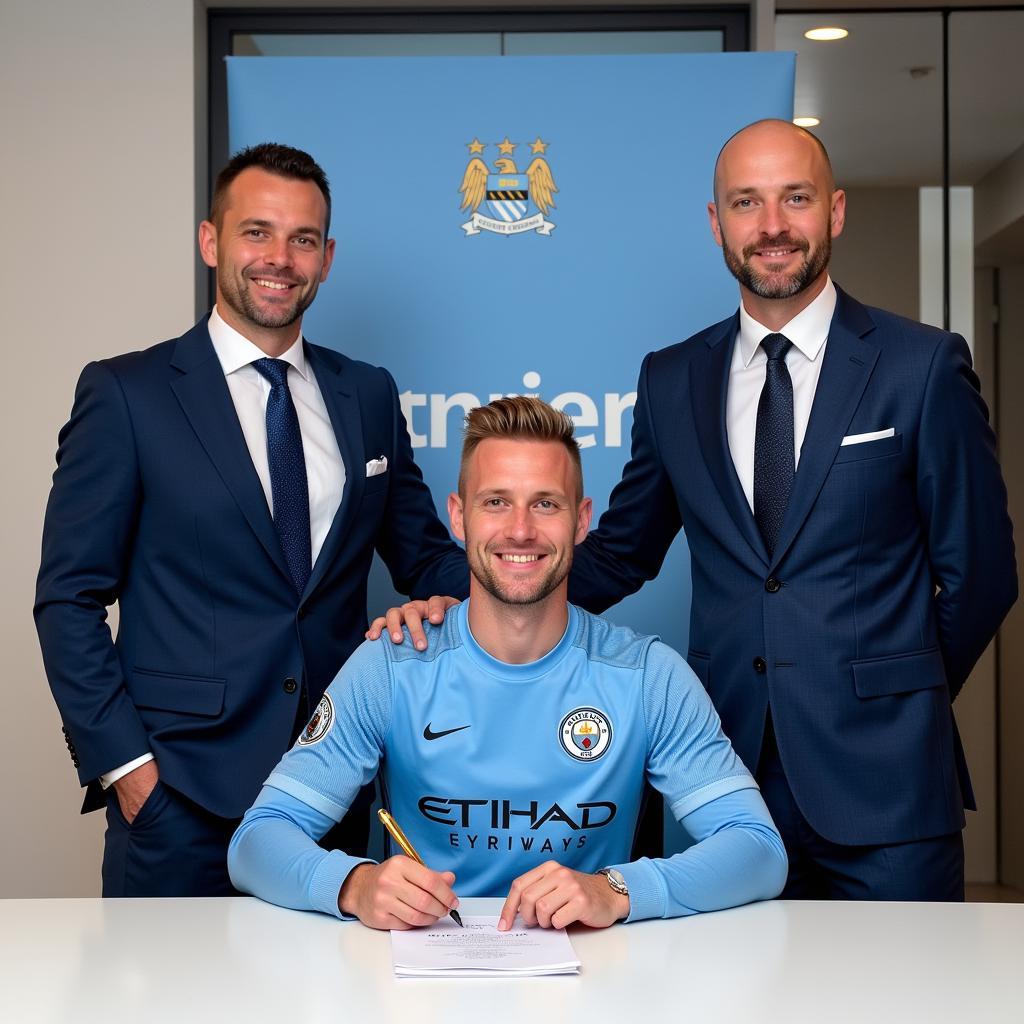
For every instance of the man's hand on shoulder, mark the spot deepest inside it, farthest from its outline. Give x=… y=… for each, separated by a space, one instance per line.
x=553 y=896
x=411 y=614
x=133 y=789
x=399 y=893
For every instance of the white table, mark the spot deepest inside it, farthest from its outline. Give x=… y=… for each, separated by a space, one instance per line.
x=113 y=961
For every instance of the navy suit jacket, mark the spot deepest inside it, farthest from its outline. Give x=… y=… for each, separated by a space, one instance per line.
x=892 y=571
x=156 y=505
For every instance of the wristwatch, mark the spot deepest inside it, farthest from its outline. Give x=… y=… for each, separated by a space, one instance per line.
x=615 y=880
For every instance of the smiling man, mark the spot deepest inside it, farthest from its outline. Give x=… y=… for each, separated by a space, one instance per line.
x=835 y=474
x=515 y=748
x=227 y=489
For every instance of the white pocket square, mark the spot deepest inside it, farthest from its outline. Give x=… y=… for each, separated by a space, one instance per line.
x=377 y=466
x=875 y=435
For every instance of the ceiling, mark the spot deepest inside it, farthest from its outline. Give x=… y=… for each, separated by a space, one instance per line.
x=879 y=92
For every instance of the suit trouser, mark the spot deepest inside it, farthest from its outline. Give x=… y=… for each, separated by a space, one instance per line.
x=174 y=847
x=926 y=869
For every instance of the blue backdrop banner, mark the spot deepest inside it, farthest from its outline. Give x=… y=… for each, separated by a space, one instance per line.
x=518 y=225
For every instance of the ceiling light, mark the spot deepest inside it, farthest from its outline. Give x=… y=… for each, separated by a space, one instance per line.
x=826 y=33
x=806 y=122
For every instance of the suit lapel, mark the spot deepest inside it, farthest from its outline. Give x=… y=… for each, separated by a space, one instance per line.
x=204 y=398
x=709 y=388
x=343 y=408
x=848 y=362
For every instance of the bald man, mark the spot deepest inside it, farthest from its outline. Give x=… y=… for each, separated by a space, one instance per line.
x=835 y=474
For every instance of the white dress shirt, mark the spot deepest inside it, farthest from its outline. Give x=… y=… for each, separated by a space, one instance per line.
x=808 y=331
x=325 y=469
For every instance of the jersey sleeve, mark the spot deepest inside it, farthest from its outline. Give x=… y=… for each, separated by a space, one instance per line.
x=274 y=853
x=738 y=857
x=690 y=761
x=738 y=854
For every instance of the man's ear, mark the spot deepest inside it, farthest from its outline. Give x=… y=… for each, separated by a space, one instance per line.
x=583 y=516
x=455 y=516
x=838 y=212
x=328 y=259
x=716 y=227
x=208 y=243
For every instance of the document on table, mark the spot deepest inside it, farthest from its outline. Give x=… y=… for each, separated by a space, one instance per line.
x=479 y=950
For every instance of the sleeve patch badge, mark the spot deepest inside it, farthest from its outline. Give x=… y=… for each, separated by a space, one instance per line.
x=585 y=734
x=320 y=724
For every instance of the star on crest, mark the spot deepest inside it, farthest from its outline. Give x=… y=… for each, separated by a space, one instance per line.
x=538 y=146
x=506 y=148
x=476 y=146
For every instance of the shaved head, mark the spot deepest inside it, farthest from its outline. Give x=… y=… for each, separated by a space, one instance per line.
x=770 y=134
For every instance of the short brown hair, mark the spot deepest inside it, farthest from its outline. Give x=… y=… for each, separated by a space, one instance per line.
x=520 y=418
x=284 y=161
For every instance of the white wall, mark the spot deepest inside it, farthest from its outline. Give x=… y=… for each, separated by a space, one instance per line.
x=98 y=157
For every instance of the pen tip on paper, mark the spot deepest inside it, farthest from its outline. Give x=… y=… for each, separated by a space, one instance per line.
x=456 y=918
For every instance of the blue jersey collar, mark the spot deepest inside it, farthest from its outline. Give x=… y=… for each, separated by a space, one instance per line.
x=516 y=673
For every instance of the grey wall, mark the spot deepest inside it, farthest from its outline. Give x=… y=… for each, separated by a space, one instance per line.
x=875 y=258
x=1011 y=651
x=98 y=131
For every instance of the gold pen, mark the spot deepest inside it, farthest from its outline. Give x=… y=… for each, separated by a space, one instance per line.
x=408 y=849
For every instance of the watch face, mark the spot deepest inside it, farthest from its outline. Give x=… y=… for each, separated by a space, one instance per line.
x=616 y=880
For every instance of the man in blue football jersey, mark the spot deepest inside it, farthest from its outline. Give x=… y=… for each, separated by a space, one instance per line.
x=514 y=750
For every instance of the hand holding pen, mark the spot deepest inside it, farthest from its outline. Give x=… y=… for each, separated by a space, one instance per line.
x=401 y=892
x=409 y=850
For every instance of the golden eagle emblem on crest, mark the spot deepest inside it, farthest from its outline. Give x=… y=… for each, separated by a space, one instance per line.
x=508 y=193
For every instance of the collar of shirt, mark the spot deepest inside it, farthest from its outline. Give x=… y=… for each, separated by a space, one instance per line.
x=807 y=330
x=235 y=351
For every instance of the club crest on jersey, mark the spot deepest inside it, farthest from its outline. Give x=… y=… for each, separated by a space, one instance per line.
x=510 y=194
x=585 y=734
x=320 y=724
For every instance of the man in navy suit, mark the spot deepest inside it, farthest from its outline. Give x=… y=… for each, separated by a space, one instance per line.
x=835 y=474
x=227 y=489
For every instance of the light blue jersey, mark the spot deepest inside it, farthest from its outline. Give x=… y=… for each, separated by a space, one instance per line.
x=492 y=769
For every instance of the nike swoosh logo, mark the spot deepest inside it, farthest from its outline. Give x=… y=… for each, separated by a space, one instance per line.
x=428 y=735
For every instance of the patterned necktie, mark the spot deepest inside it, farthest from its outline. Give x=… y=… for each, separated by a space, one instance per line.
x=287 y=472
x=774 y=458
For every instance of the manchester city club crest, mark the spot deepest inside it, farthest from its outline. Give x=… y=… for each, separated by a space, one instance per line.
x=320 y=724
x=507 y=193
x=585 y=734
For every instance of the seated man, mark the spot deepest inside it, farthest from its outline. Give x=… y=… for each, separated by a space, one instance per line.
x=514 y=749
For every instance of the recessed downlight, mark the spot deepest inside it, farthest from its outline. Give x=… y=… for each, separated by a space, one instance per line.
x=826 y=34
x=806 y=122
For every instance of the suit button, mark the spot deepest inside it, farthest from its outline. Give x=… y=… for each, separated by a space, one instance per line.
x=760 y=666
x=302 y=612
x=290 y=686
x=772 y=585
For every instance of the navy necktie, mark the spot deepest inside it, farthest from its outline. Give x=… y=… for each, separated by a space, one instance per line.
x=287 y=472
x=774 y=458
